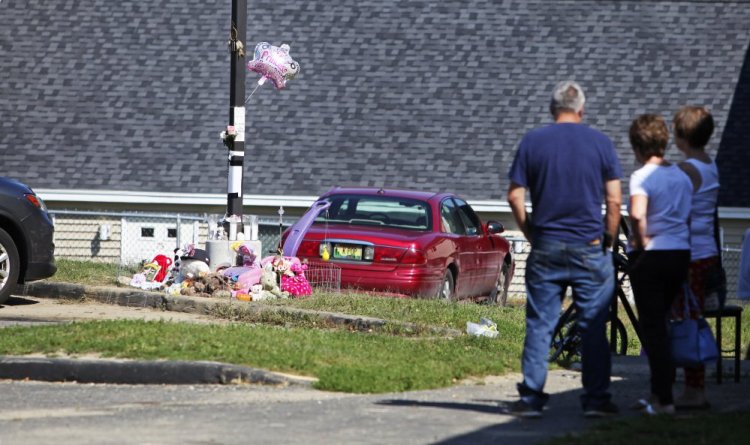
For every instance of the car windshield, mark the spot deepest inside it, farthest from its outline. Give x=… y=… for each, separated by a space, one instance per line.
x=384 y=211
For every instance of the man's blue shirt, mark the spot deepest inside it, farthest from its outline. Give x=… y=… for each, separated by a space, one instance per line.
x=564 y=166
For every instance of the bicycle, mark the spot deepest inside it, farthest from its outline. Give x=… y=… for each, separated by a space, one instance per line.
x=565 y=346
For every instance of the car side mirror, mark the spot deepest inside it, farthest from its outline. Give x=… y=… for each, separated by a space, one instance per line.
x=494 y=227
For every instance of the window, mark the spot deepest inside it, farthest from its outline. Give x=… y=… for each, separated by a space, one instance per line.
x=386 y=211
x=147 y=232
x=450 y=219
x=171 y=232
x=469 y=218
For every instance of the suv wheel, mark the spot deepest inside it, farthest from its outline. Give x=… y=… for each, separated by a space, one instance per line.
x=10 y=265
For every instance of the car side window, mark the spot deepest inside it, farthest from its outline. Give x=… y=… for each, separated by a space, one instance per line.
x=450 y=219
x=469 y=218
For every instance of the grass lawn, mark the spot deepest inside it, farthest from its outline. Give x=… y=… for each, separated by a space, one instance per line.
x=708 y=429
x=342 y=360
x=384 y=360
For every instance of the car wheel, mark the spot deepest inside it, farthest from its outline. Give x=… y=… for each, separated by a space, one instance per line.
x=499 y=294
x=10 y=265
x=447 y=287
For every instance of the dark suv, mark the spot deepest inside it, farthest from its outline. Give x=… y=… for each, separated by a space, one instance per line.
x=27 y=252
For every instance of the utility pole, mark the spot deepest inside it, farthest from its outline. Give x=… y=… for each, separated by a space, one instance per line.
x=219 y=249
x=236 y=145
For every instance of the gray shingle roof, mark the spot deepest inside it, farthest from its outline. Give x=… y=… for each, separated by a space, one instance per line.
x=131 y=95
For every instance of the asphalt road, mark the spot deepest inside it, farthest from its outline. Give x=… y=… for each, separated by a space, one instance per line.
x=69 y=413
x=468 y=413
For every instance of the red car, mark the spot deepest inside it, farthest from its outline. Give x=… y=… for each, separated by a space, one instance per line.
x=407 y=242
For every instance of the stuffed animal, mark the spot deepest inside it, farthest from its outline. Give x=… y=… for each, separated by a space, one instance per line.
x=186 y=263
x=296 y=284
x=268 y=280
x=164 y=262
x=190 y=268
x=174 y=276
x=281 y=264
x=249 y=259
x=213 y=285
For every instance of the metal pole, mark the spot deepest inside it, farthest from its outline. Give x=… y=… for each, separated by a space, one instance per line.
x=238 y=34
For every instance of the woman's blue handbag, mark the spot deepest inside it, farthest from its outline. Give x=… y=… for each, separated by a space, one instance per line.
x=692 y=341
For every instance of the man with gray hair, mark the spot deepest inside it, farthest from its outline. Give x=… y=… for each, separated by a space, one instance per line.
x=569 y=170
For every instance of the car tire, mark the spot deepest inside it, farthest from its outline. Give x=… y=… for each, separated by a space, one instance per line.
x=447 y=287
x=10 y=266
x=499 y=294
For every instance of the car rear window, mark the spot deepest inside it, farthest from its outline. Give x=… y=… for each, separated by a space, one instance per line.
x=386 y=211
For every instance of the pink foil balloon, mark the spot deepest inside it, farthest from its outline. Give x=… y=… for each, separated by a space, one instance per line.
x=274 y=63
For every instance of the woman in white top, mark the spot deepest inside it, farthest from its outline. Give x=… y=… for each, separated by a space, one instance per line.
x=659 y=209
x=693 y=127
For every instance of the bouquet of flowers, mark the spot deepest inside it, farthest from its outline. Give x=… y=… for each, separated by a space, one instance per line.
x=228 y=135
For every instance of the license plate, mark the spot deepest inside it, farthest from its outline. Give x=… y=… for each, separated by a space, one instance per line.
x=347 y=252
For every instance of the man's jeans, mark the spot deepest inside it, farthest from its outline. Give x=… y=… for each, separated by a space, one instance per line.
x=552 y=266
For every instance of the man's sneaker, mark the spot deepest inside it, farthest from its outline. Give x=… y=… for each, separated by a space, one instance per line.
x=605 y=410
x=520 y=408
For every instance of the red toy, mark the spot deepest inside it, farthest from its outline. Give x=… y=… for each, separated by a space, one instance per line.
x=164 y=263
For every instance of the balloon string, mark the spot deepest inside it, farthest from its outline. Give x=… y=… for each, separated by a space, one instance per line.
x=254 y=90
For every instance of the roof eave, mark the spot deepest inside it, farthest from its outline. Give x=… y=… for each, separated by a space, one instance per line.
x=291 y=201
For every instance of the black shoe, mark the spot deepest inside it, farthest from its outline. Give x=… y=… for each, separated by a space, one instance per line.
x=520 y=408
x=605 y=410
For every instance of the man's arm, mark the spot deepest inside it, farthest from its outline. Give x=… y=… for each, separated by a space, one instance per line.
x=517 y=201
x=613 y=202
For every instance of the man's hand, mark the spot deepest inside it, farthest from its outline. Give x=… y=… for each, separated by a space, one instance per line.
x=517 y=201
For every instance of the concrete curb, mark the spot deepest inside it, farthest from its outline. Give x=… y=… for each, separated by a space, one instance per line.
x=169 y=372
x=208 y=306
x=138 y=372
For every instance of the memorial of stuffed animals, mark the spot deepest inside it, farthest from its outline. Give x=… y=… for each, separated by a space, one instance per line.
x=251 y=278
x=230 y=266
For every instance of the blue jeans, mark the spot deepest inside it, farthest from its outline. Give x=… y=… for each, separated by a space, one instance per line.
x=551 y=268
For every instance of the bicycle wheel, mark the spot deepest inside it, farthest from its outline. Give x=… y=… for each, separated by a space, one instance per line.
x=566 y=344
x=566 y=340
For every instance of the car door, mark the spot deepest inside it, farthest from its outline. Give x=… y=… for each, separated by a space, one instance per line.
x=452 y=225
x=486 y=261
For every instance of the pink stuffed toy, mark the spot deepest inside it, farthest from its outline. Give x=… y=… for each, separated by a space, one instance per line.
x=296 y=284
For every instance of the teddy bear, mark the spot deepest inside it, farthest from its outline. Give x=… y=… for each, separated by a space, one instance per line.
x=268 y=280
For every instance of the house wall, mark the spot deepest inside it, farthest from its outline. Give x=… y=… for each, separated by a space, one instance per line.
x=78 y=237
x=733 y=231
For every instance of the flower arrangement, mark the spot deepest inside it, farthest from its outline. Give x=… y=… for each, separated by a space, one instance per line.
x=228 y=135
